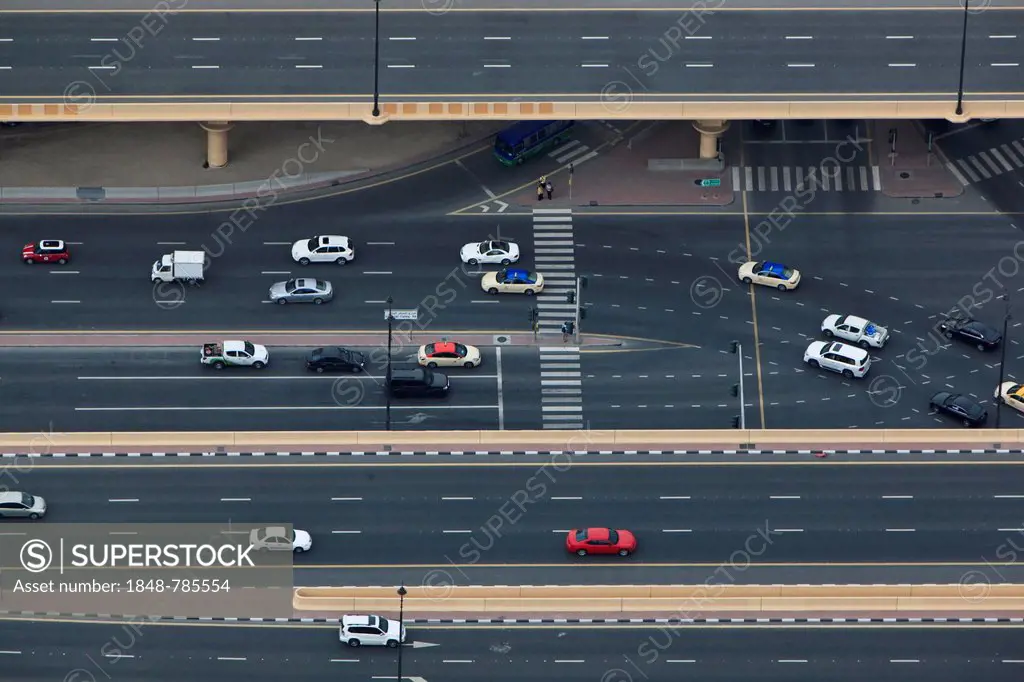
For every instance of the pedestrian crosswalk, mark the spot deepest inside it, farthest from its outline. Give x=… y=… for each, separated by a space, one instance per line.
x=984 y=165
x=561 y=387
x=561 y=383
x=554 y=249
x=789 y=178
x=572 y=151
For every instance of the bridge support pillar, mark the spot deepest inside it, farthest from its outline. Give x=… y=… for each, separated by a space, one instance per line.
x=710 y=132
x=216 y=143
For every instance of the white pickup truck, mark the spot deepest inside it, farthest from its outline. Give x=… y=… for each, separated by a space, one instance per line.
x=234 y=354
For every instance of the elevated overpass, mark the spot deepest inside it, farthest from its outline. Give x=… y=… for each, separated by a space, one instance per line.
x=712 y=61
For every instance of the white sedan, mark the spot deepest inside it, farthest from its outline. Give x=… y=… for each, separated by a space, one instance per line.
x=325 y=249
x=769 y=274
x=491 y=251
x=856 y=330
x=277 y=538
x=448 y=354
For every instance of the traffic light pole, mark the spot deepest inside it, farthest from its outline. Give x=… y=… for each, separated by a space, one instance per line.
x=576 y=329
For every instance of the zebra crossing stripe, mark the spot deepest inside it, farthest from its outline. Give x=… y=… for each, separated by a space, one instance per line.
x=967 y=169
x=877 y=178
x=1001 y=159
x=1013 y=157
x=981 y=169
x=774 y=173
x=956 y=173
x=1017 y=145
x=863 y=176
x=991 y=164
x=787 y=184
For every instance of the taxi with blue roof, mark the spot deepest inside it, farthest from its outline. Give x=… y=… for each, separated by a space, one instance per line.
x=770 y=274
x=512 y=281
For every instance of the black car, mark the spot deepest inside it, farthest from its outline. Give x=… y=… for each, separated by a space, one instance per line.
x=418 y=383
x=978 y=334
x=335 y=359
x=960 y=406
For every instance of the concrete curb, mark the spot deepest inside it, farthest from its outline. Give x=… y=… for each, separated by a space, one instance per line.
x=462 y=453
x=510 y=621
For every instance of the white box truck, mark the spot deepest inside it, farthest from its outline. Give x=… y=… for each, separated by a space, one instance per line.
x=180 y=266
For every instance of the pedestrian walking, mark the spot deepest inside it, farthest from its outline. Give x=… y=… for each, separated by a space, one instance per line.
x=567 y=330
x=540 y=192
x=549 y=188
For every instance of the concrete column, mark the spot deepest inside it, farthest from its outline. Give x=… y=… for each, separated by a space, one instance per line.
x=216 y=143
x=710 y=131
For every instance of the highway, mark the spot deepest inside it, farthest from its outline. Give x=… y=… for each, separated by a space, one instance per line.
x=160 y=389
x=740 y=54
x=150 y=652
x=440 y=514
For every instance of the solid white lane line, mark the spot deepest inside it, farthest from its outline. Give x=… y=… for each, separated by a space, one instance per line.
x=346 y=499
x=501 y=390
x=236 y=499
x=674 y=497
x=594 y=38
x=205 y=66
x=799 y=37
x=232 y=658
x=377 y=272
x=903 y=65
x=100 y=68
x=103 y=40
x=401 y=38
x=65 y=301
x=566 y=498
x=456 y=660
x=899 y=37
x=277 y=243
x=554 y=531
x=800 y=66
x=453 y=532
x=65 y=272
x=1005 y=660
x=897 y=497
x=119 y=655
x=400 y=66
x=206 y=40
x=1007 y=64
x=497 y=37
x=783 y=497
x=1009 y=497
x=568 y=660
x=1010 y=530
x=309 y=38
x=309 y=66
x=676 y=530
x=900 y=530
x=789 y=530
x=346 y=532
x=594 y=66
x=344 y=660
x=380 y=243
x=791 y=660
x=123 y=499
x=275 y=272
x=904 y=660
x=681 y=660
x=497 y=66
x=14 y=653
x=1001 y=37
x=699 y=66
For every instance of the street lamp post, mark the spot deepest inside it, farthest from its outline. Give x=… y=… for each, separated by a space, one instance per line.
x=376 y=58
x=401 y=619
x=737 y=349
x=963 y=56
x=1002 y=355
x=387 y=385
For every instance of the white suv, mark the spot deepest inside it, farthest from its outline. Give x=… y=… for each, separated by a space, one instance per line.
x=324 y=249
x=371 y=631
x=847 y=360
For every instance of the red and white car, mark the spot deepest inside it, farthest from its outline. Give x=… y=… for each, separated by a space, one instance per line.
x=586 y=541
x=46 y=251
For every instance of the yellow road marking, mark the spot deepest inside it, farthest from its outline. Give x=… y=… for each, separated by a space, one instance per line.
x=531 y=183
x=498 y=10
x=404 y=463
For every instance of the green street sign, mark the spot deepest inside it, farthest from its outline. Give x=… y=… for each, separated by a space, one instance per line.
x=711 y=182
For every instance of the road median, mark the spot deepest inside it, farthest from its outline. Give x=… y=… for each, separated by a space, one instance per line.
x=682 y=601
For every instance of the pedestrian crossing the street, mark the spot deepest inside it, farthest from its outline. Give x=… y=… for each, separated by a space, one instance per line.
x=561 y=387
x=1005 y=158
x=789 y=178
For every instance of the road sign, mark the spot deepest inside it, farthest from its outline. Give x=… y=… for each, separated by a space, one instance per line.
x=403 y=314
x=711 y=182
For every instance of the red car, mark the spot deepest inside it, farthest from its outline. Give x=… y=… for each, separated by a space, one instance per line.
x=46 y=251
x=600 y=541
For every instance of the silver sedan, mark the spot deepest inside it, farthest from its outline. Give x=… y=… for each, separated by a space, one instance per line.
x=304 y=290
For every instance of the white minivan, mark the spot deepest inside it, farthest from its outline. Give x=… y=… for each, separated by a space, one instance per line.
x=842 y=358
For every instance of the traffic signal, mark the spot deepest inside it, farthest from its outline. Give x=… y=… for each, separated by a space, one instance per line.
x=735 y=346
x=736 y=422
x=570 y=297
x=735 y=391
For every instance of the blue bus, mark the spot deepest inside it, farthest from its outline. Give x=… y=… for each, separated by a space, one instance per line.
x=520 y=141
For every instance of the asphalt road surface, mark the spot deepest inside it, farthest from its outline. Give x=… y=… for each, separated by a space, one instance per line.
x=614 y=55
x=429 y=515
x=144 y=652
x=167 y=389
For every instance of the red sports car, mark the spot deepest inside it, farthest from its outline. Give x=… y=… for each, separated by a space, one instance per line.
x=600 y=541
x=46 y=251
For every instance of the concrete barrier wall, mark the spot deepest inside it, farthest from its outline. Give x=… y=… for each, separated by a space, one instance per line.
x=568 y=441
x=682 y=600
x=616 y=106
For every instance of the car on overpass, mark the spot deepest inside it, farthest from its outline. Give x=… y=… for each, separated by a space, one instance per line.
x=324 y=249
x=368 y=630
x=584 y=541
x=46 y=251
x=770 y=274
